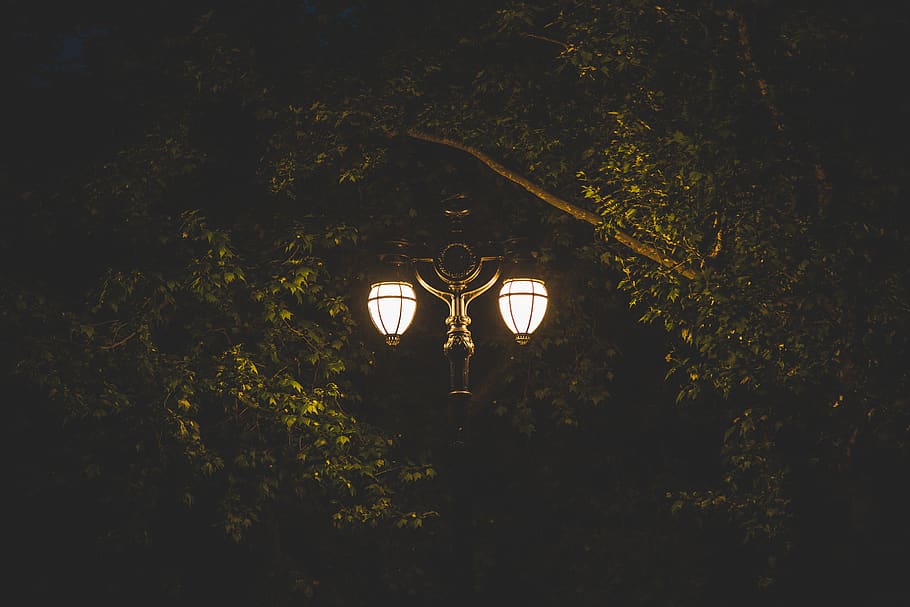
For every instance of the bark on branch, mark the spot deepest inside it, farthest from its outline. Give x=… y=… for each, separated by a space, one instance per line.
x=629 y=241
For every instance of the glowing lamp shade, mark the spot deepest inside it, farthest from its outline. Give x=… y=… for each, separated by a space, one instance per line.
x=392 y=306
x=522 y=303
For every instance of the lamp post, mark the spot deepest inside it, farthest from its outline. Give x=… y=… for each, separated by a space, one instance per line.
x=461 y=276
x=458 y=275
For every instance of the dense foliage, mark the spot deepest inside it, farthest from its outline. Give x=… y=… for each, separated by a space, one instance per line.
x=200 y=410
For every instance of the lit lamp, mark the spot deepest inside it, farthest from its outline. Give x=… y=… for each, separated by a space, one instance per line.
x=392 y=306
x=522 y=303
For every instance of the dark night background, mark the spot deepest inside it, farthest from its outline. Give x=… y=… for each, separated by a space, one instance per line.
x=199 y=410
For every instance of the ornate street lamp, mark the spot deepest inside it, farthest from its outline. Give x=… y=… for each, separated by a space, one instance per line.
x=458 y=275
x=461 y=276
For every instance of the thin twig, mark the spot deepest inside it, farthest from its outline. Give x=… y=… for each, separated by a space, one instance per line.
x=119 y=343
x=564 y=45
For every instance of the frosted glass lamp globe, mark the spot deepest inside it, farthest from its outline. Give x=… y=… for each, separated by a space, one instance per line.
x=392 y=306
x=522 y=303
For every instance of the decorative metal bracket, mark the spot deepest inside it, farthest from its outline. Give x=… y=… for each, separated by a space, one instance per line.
x=458 y=268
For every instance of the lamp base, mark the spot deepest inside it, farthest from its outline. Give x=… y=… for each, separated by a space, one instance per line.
x=392 y=340
x=522 y=338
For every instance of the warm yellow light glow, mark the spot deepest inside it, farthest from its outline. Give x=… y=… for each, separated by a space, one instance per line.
x=522 y=303
x=392 y=306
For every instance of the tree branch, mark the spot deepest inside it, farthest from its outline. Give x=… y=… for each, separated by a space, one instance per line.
x=565 y=46
x=746 y=47
x=122 y=342
x=824 y=186
x=629 y=241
